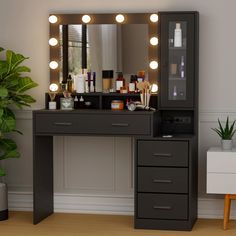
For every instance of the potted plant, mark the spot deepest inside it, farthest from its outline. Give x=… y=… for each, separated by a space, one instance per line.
x=13 y=85
x=226 y=133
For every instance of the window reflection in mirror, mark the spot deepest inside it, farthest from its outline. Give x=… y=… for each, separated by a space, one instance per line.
x=108 y=47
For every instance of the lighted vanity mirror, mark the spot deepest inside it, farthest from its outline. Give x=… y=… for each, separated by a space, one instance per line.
x=102 y=44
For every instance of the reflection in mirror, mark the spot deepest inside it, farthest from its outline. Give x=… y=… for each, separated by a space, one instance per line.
x=100 y=47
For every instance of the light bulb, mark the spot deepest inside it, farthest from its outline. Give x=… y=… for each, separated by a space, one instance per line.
x=52 y=19
x=53 y=65
x=154 y=18
x=53 y=87
x=120 y=18
x=153 y=65
x=53 y=41
x=86 y=18
x=154 y=41
x=154 y=88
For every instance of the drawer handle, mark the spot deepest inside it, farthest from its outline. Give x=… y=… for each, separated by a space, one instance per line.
x=164 y=181
x=63 y=123
x=120 y=124
x=162 y=207
x=162 y=155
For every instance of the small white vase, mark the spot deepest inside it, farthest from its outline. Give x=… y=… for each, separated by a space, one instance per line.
x=226 y=144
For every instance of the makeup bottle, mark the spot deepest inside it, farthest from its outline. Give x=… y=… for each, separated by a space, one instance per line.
x=81 y=102
x=80 y=83
x=70 y=84
x=76 y=103
x=120 y=81
x=132 y=84
x=94 y=82
x=141 y=76
x=107 y=78
x=178 y=36
x=181 y=68
x=88 y=90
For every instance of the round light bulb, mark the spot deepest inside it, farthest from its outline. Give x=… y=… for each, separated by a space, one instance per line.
x=53 y=65
x=154 y=41
x=52 y=19
x=120 y=18
x=153 y=65
x=53 y=87
x=154 y=18
x=154 y=88
x=86 y=18
x=53 y=41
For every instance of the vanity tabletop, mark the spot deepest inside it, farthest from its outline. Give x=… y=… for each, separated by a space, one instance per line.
x=95 y=111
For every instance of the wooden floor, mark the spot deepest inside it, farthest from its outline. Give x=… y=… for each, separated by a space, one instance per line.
x=20 y=224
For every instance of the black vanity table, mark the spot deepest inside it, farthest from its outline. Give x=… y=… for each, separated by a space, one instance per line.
x=166 y=141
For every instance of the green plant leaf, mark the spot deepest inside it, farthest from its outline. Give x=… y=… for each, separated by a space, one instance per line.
x=3 y=92
x=20 y=69
x=7 y=144
x=10 y=154
x=2 y=172
x=25 y=98
x=1 y=49
x=1 y=112
x=7 y=120
x=25 y=83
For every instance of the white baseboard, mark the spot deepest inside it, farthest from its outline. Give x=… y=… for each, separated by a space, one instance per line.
x=101 y=204
x=76 y=203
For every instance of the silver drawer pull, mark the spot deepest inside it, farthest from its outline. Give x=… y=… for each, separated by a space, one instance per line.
x=120 y=124
x=63 y=123
x=162 y=155
x=162 y=207
x=164 y=181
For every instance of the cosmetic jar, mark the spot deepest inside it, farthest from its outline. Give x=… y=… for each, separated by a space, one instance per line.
x=117 y=105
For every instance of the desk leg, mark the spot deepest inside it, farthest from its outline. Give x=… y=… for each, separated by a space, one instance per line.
x=226 y=210
x=42 y=177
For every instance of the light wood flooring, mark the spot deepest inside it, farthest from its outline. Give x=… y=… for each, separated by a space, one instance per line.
x=58 y=224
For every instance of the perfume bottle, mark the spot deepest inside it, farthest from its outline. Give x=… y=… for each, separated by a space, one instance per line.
x=178 y=36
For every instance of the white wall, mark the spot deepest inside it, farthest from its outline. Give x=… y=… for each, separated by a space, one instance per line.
x=24 y=28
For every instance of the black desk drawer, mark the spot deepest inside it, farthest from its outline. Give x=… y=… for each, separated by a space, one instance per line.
x=163 y=180
x=74 y=123
x=163 y=206
x=163 y=153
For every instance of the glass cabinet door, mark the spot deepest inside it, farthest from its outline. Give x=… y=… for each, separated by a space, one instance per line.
x=177 y=57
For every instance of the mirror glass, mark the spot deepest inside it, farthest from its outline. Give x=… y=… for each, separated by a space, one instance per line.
x=121 y=48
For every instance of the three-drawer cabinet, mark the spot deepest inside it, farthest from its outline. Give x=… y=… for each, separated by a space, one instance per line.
x=221 y=171
x=166 y=183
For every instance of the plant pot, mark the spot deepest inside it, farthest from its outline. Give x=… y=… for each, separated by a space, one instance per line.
x=3 y=202
x=226 y=144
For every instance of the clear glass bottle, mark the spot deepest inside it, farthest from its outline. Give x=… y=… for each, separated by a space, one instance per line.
x=182 y=68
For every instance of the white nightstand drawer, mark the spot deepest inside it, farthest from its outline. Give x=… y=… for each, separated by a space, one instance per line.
x=221 y=161
x=221 y=183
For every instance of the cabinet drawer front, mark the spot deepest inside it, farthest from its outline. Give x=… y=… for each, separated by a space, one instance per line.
x=163 y=180
x=163 y=153
x=221 y=183
x=163 y=206
x=93 y=124
x=221 y=162
x=123 y=124
x=56 y=123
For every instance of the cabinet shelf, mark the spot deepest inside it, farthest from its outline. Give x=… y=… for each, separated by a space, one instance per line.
x=177 y=79
x=177 y=48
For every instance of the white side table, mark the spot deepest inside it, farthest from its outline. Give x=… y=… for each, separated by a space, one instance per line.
x=221 y=176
